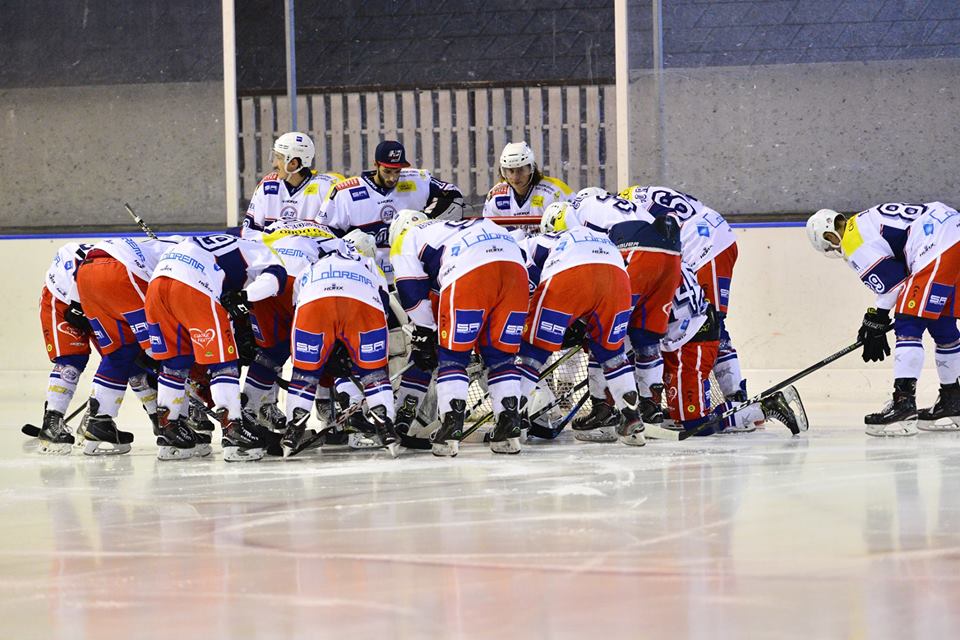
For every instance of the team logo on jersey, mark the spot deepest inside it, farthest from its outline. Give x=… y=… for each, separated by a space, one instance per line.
x=360 y=193
x=502 y=202
x=373 y=345
x=536 y=201
x=928 y=228
x=513 y=328
x=138 y=324
x=307 y=346
x=466 y=325
x=69 y=329
x=387 y=213
x=271 y=188
x=157 y=343
x=703 y=230
x=939 y=295
x=552 y=325
x=202 y=338
x=619 y=329
x=288 y=213
x=103 y=338
x=405 y=186
x=312 y=189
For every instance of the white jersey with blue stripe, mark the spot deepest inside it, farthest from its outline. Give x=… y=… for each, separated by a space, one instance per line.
x=688 y=313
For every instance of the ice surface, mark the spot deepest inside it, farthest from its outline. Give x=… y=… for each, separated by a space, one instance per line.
x=828 y=535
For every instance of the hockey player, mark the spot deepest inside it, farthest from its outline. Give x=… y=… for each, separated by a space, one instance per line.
x=709 y=247
x=187 y=321
x=292 y=191
x=340 y=323
x=893 y=247
x=524 y=191
x=67 y=335
x=370 y=201
x=559 y=264
x=112 y=285
x=477 y=270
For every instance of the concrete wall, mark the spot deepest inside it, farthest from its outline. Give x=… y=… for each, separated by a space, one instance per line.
x=790 y=308
x=796 y=138
x=70 y=156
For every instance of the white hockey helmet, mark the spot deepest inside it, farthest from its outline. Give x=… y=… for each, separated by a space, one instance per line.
x=295 y=145
x=554 y=218
x=517 y=154
x=818 y=225
x=364 y=243
x=404 y=219
x=590 y=191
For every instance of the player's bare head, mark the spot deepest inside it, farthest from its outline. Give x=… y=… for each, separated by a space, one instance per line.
x=390 y=159
x=292 y=152
x=517 y=164
x=825 y=231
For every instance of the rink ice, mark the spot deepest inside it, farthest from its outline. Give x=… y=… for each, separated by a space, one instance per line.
x=828 y=535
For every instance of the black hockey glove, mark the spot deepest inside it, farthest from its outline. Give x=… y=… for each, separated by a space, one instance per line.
x=873 y=333
x=575 y=334
x=75 y=317
x=423 y=349
x=339 y=363
x=235 y=302
x=668 y=227
x=246 y=342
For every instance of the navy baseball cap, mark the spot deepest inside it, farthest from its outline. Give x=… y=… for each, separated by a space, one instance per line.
x=391 y=153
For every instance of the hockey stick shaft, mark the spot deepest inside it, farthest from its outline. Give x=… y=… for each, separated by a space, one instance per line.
x=143 y=225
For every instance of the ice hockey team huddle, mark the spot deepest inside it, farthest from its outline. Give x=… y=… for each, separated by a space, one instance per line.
x=355 y=279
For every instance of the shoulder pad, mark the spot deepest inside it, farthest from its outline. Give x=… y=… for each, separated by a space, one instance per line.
x=559 y=184
x=348 y=183
x=499 y=189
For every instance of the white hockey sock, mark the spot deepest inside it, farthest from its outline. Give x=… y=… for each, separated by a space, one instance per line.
x=225 y=391
x=452 y=384
x=378 y=392
x=109 y=393
x=948 y=362
x=647 y=373
x=61 y=386
x=170 y=391
x=146 y=394
x=727 y=370
x=596 y=383
x=620 y=380
x=907 y=358
x=345 y=385
x=302 y=392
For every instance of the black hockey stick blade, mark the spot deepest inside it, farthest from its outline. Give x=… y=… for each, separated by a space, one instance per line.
x=30 y=430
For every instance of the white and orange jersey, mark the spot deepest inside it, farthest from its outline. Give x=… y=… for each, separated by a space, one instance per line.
x=687 y=313
x=60 y=280
x=431 y=256
x=704 y=233
x=502 y=200
x=873 y=245
x=600 y=213
x=931 y=234
x=300 y=243
x=344 y=274
x=580 y=246
x=217 y=263
x=274 y=200
x=139 y=256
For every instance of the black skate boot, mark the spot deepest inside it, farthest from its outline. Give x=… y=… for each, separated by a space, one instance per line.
x=946 y=411
x=785 y=406
x=386 y=432
x=899 y=416
x=600 y=424
x=101 y=436
x=446 y=441
x=360 y=432
x=196 y=420
x=631 y=427
x=175 y=440
x=406 y=415
x=244 y=440
x=271 y=417
x=506 y=435
x=293 y=434
x=55 y=436
x=328 y=411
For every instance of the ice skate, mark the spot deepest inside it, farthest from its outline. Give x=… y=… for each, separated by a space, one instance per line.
x=244 y=440
x=270 y=416
x=785 y=406
x=294 y=432
x=600 y=425
x=55 y=437
x=386 y=433
x=196 y=420
x=175 y=440
x=898 y=417
x=631 y=427
x=446 y=441
x=944 y=415
x=506 y=435
x=101 y=436
x=404 y=424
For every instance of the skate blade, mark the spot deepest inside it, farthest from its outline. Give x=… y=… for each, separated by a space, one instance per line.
x=792 y=396
x=600 y=434
x=448 y=449
x=202 y=450
x=100 y=448
x=894 y=430
x=168 y=452
x=735 y=431
x=933 y=426
x=55 y=448
x=236 y=454
x=393 y=449
x=357 y=442
x=634 y=440
x=509 y=446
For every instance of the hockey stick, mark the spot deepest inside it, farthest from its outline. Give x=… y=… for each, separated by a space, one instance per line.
x=717 y=419
x=143 y=225
x=34 y=431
